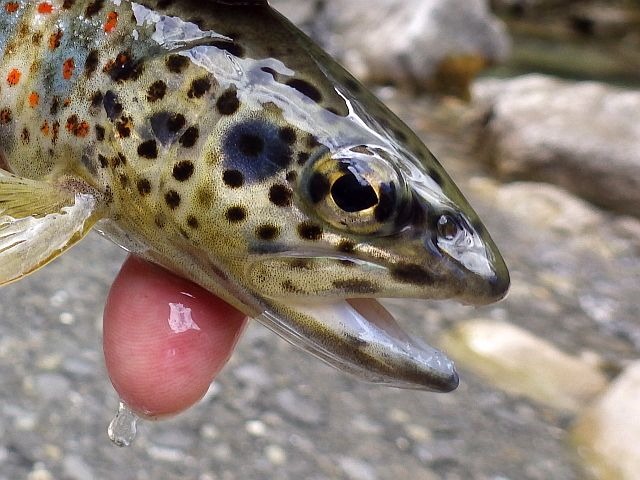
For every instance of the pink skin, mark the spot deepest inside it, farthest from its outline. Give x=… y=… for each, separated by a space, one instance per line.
x=156 y=371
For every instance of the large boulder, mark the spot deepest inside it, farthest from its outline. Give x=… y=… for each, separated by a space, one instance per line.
x=437 y=44
x=583 y=136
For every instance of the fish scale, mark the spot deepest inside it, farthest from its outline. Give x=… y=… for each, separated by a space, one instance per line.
x=218 y=141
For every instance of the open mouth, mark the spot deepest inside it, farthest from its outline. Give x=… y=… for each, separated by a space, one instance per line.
x=361 y=337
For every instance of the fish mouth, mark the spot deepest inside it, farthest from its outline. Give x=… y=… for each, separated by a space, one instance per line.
x=361 y=337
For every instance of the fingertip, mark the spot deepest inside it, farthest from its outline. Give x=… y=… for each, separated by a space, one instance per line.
x=164 y=339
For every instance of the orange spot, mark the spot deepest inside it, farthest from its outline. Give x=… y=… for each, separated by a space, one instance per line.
x=45 y=8
x=67 y=102
x=12 y=7
x=34 y=99
x=54 y=40
x=45 y=128
x=14 y=77
x=112 y=22
x=82 y=130
x=67 y=68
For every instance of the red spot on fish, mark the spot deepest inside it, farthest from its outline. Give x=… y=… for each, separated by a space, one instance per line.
x=14 y=77
x=34 y=99
x=112 y=22
x=45 y=128
x=45 y=7
x=77 y=128
x=67 y=68
x=12 y=7
x=54 y=40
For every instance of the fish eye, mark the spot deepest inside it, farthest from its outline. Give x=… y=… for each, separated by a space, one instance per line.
x=353 y=193
x=448 y=227
x=356 y=190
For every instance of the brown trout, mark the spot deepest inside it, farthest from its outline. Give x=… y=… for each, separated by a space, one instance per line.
x=215 y=139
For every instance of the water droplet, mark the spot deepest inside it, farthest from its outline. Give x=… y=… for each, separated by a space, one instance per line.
x=122 y=429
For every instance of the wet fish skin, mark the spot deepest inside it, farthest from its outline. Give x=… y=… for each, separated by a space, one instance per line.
x=221 y=143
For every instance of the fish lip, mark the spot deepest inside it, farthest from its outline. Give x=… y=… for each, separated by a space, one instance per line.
x=366 y=341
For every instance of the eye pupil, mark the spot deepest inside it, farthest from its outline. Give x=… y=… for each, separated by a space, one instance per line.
x=448 y=228
x=353 y=194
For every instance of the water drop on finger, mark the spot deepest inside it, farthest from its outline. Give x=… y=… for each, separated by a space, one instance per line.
x=122 y=429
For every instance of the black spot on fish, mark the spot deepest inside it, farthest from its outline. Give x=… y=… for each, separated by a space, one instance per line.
x=228 y=102
x=124 y=67
x=199 y=87
x=148 y=149
x=192 y=222
x=172 y=199
x=288 y=135
x=233 y=178
x=157 y=90
x=93 y=8
x=144 y=187
x=346 y=246
x=280 y=195
x=306 y=89
x=96 y=99
x=414 y=274
x=302 y=158
x=236 y=214
x=267 y=232
x=99 y=133
x=309 y=231
x=112 y=106
x=104 y=163
x=183 y=170
x=190 y=137
x=166 y=125
x=255 y=148
x=123 y=127
x=91 y=63
x=177 y=63
x=356 y=286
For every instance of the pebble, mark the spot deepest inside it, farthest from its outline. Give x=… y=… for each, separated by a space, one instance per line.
x=299 y=408
x=356 y=469
x=275 y=454
x=607 y=435
x=518 y=362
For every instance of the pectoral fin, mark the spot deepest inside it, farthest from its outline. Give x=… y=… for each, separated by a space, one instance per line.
x=38 y=221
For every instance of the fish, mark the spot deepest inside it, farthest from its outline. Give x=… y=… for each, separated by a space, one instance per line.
x=217 y=140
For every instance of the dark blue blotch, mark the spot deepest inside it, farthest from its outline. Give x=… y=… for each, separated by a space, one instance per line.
x=254 y=147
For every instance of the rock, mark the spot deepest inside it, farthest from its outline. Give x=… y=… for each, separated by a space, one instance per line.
x=523 y=364
x=582 y=136
x=607 y=433
x=436 y=44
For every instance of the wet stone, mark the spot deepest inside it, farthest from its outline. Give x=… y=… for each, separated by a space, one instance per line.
x=606 y=435
x=521 y=363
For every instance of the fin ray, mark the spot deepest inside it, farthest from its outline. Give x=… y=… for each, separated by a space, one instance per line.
x=38 y=221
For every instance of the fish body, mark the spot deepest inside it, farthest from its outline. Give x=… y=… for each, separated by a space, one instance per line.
x=215 y=139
